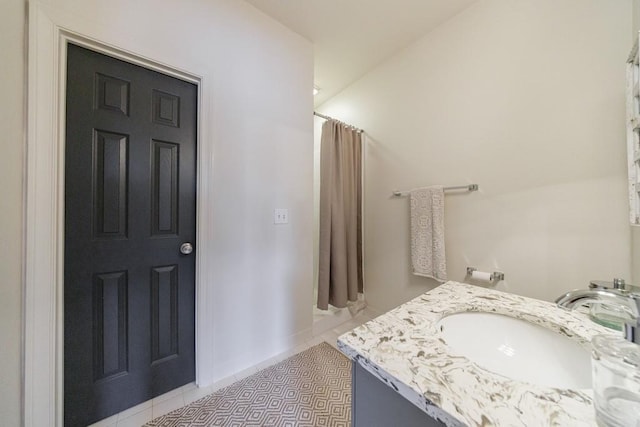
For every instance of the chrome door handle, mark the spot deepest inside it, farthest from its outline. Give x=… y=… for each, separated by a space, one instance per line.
x=186 y=248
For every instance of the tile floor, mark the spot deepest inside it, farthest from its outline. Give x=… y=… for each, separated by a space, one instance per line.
x=145 y=412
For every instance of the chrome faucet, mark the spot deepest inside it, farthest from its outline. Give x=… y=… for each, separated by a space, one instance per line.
x=617 y=295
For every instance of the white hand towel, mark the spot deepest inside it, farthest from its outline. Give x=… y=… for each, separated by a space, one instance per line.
x=427 y=233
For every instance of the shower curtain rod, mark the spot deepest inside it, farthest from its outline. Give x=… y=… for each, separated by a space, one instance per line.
x=322 y=116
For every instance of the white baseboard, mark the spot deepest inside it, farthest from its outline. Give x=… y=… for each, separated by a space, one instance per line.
x=247 y=360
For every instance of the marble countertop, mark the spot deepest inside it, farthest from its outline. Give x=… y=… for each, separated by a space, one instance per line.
x=404 y=349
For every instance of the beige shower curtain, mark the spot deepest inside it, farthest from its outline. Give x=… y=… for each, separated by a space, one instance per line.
x=340 y=254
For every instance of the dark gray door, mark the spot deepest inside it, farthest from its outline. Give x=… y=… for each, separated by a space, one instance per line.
x=130 y=198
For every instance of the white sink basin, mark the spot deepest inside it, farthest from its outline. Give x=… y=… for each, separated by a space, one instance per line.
x=518 y=349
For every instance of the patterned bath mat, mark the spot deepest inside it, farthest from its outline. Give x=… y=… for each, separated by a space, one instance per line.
x=312 y=388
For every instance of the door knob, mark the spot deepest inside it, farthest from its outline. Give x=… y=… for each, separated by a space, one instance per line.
x=186 y=248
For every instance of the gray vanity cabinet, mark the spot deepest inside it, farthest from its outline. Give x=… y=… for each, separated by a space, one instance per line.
x=374 y=404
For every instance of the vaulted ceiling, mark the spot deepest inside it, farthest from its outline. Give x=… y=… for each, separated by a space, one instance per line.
x=352 y=36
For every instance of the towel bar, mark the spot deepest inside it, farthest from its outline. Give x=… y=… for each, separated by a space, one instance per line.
x=470 y=187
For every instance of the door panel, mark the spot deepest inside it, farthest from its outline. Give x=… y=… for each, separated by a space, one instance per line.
x=164 y=308
x=164 y=188
x=110 y=325
x=130 y=194
x=110 y=172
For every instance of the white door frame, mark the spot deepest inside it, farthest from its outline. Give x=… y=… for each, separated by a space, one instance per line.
x=49 y=32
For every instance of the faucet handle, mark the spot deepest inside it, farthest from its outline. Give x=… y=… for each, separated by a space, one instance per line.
x=618 y=283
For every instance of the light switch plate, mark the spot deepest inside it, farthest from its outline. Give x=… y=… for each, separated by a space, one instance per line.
x=281 y=216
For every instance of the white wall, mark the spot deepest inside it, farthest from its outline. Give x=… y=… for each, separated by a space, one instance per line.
x=635 y=231
x=524 y=98
x=635 y=26
x=258 y=77
x=12 y=129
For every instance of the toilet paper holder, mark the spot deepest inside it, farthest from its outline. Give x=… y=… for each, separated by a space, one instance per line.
x=494 y=277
